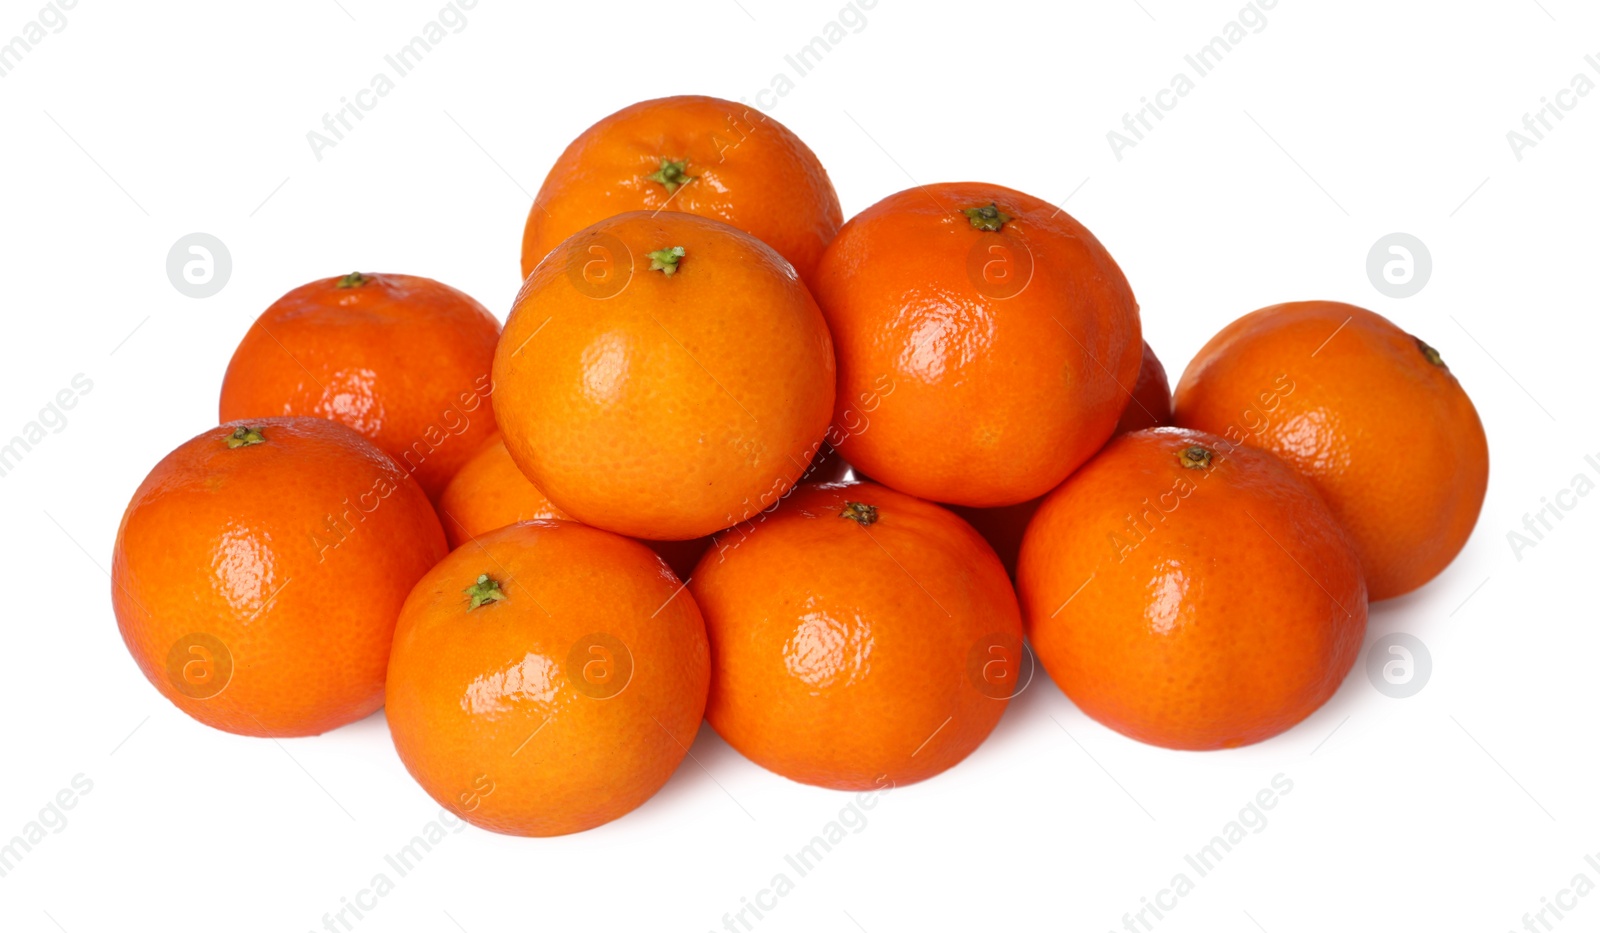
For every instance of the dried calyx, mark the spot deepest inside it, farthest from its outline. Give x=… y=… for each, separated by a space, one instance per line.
x=1194 y=458
x=860 y=513
x=987 y=218
x=245 y=437
x=1430 y=354
x=353 y=280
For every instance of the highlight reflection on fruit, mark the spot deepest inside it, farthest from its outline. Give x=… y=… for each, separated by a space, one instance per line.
x=656 y=483
x=1367 y=412
x=402 y=359
x=547 y=679
x=1190 y=592
x=693 y=371
x=699 y=155
x=258 y=571
x=983 y=335
x=858 y=635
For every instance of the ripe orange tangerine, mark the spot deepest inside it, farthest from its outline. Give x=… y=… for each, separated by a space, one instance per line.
x=699 y=155
x=985 y=342
x=860 y=637
x=402 y=359
x=548 y=680
x=1369 y=413
x=258 y=571
x=1191 y=593
x=490 y=492
x=681 y=387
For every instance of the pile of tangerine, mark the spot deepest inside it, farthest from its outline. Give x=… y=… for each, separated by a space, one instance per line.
x=551 y=550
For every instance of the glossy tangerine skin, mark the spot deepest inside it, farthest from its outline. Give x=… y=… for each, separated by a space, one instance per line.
x=750 y=171
x=485 y=704
x=1149 y=406
x=1388 y=438
x=402 y=359
x=296 y=553
x=678 y=405
x=490 y=492
x=1150 y=403
x=951 y=393
x=838 y=650
x=1191 y=608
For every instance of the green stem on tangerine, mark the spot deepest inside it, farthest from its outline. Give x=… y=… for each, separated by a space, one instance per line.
x=673 y=174
x=987 y=218
x=353 y=280
x=860 y=513
x=665 y=261
x=486 y=590
x=1194 y=458
x=1430 y=354
x=245 y=437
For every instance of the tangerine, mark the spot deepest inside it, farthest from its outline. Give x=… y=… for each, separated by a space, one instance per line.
x=685 y=390
x=1191 y=593
x=402 y=359
x=699 y=155
x=1150 y=403
x=983 y=339
x=1367 y=412
x=859 y=636
x=258 y=571
x=548 y=680
x=490 y=492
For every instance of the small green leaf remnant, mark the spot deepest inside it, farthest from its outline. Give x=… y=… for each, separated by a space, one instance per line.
x=665 y=261
x=486 y=590
x=353 y=280
x=672 y=175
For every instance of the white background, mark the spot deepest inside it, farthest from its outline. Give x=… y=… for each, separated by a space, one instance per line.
x=1459 y=808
